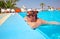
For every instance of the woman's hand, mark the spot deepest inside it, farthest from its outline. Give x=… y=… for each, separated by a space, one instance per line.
x=54 y=22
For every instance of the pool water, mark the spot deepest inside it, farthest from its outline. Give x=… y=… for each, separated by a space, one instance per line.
x=16 y=28
x=23 y=14
x=52 y=31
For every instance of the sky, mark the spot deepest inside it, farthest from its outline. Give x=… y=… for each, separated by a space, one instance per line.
x=36 y=3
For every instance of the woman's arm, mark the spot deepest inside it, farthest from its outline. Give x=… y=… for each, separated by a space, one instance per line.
x=49 y=22
x=53 y=22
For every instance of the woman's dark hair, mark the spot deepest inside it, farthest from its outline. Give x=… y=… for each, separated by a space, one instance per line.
x=34 y=14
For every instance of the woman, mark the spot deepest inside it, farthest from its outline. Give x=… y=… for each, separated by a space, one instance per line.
x=34 y=22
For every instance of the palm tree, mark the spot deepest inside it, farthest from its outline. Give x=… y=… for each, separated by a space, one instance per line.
x=49 y=7
x=0 y=9
x=7 y=4
x=2 y=5
x=42 y=5
x=15 y=0
x=10 y=3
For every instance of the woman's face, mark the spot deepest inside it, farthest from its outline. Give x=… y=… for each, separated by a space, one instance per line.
x=32 y=18
x=30 y=12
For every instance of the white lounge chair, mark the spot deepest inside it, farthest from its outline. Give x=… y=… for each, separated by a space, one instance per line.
x=12 y=11
x=2 y=10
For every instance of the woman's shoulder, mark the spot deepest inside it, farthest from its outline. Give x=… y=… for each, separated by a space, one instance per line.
x=42 y=21
x=39 y=19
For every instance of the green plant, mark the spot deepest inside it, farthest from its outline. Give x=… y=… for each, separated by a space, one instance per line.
x=42 y=5
x=49 y=7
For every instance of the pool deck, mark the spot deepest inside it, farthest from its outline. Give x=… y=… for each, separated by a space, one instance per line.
x=4 y=18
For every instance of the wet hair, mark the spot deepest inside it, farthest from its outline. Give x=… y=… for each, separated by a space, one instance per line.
x=34 y=13
x=30 y=15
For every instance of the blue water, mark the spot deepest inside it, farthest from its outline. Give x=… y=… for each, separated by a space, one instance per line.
x=23 y=14
x=52 y=31
x=16 y=28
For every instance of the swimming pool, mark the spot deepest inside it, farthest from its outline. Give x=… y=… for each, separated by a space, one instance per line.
x=52 y=31
x=16 y=28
